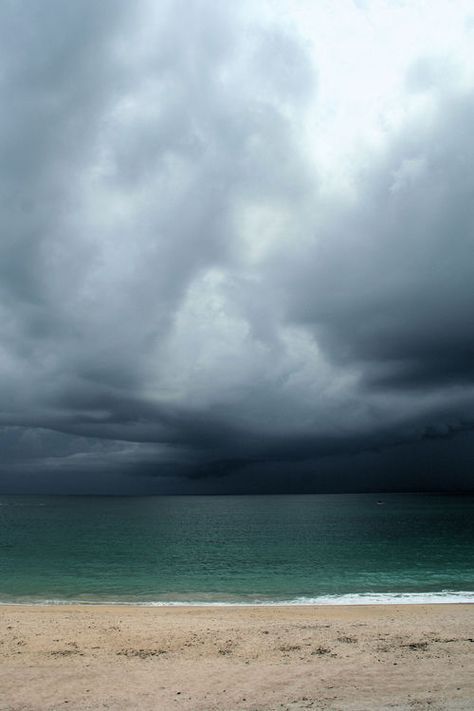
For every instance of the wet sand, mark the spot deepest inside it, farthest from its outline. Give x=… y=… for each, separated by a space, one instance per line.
x=225 y=658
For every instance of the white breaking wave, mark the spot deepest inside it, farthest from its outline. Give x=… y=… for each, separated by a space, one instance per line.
x=428 y=598
x=422 y=598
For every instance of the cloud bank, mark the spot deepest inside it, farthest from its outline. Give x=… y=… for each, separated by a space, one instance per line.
x=236 y=246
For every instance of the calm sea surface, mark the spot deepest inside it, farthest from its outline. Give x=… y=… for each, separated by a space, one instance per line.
x=236 y=548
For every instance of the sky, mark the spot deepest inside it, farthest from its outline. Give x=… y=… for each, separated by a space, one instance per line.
x=236 y=247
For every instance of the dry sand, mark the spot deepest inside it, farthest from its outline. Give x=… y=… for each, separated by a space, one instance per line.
x=259 y=658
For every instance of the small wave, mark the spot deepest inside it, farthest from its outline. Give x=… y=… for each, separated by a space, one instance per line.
x=422 y=598
x=445 y=596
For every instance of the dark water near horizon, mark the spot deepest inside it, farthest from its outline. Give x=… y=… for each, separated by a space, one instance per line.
x=229 y=549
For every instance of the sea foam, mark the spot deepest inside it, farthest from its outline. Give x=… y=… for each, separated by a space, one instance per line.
x=398 y=598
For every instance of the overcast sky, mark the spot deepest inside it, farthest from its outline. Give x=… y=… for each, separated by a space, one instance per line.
x=236 y=245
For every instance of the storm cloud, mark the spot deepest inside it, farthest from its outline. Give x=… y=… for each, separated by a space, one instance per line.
x=236 y=246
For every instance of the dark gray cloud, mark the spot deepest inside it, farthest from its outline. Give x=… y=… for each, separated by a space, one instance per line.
x=183 y=299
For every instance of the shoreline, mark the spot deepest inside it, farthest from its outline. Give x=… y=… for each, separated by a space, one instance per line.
x=355 y=600
x=224 y=658
x=223 y=606
x=210 y=608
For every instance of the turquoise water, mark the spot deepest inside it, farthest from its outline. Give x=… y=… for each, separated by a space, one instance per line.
x=236 y=548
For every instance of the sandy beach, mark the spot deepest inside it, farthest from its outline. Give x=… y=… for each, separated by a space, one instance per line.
x=258 y=658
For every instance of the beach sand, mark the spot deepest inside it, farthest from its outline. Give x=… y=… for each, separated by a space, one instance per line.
x=260 y=658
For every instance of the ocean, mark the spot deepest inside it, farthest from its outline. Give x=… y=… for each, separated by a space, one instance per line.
x=237 y=549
